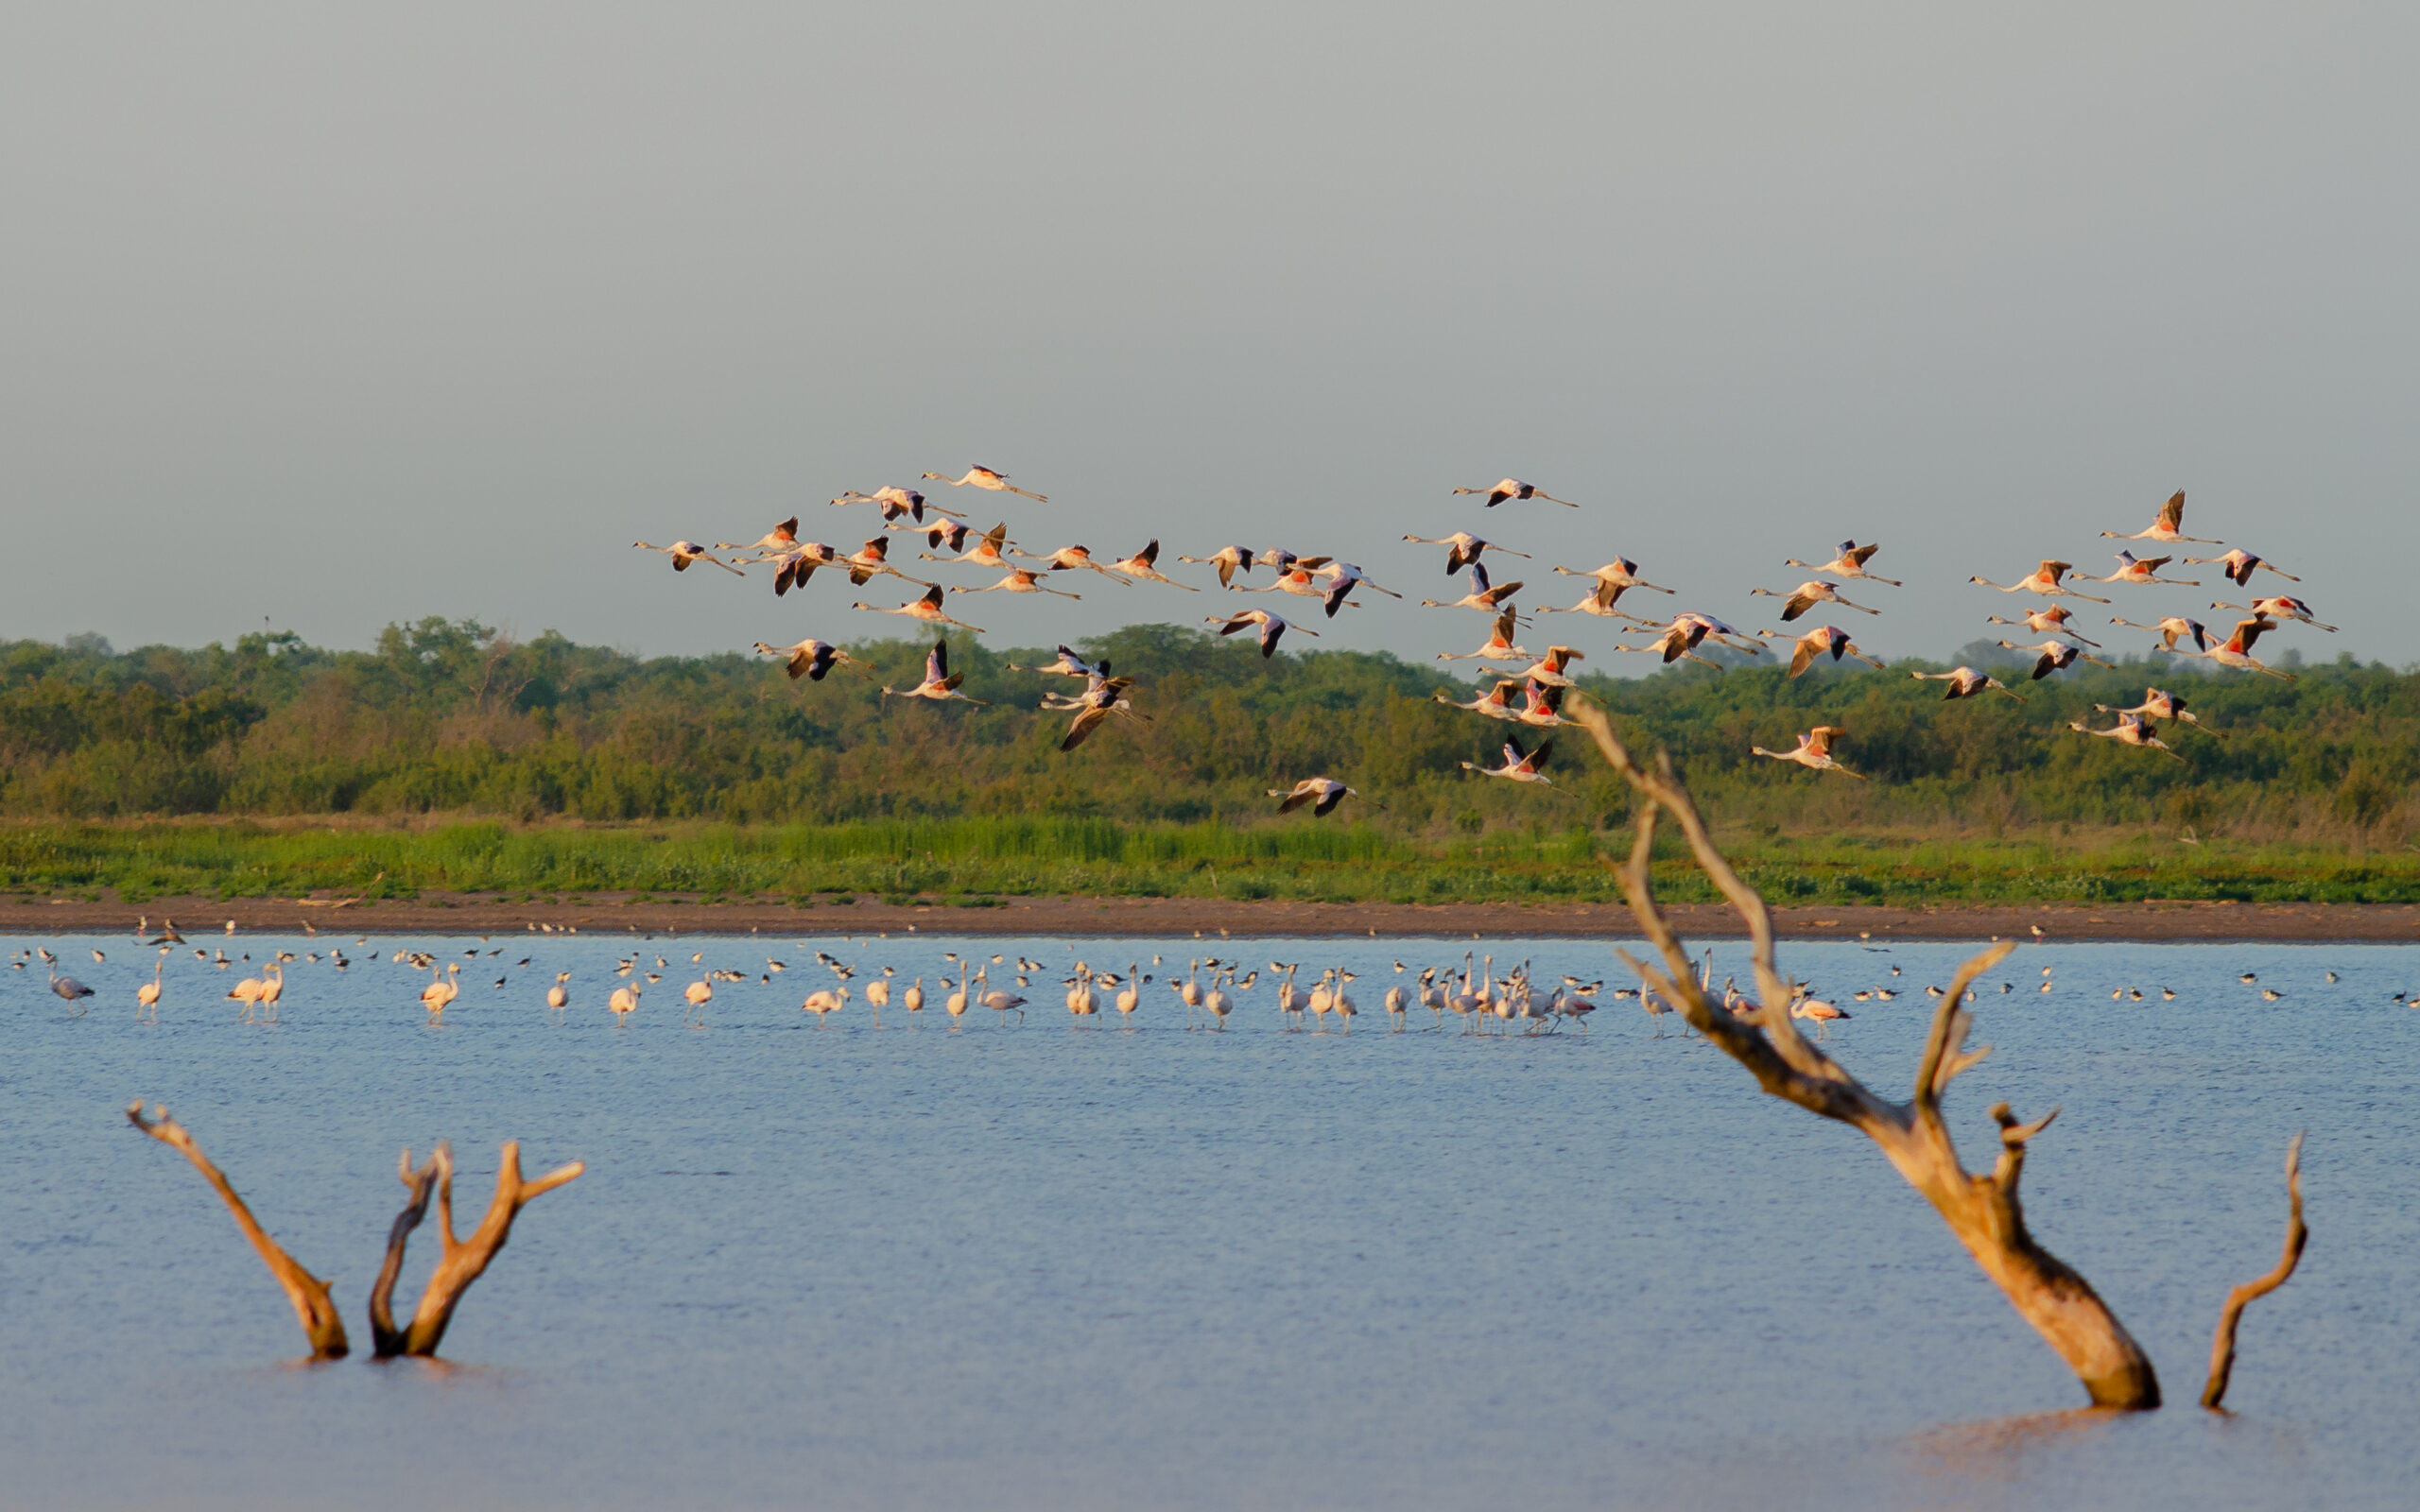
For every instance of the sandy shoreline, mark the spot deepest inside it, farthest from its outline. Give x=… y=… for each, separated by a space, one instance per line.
x=1166 y=917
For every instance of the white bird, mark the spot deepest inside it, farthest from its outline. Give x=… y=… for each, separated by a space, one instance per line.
x=1807 y=595
x=1482 y=596
x=2171 y=629
x=1343 y=579
x=873 y=560
x=2051 y=619
x=940 y=684
x=1813 y=751
x=1000 y=1000
x=1069 y=664
x=2130 y=730
x=1495 y=703
x=811 y=658
x=894 y=502
x=2239 y=565
x=795 y=568
x=1228 y=560
x=878 y=993
x=2236 y=652
x=1069 y=559
x=1021 y=580
x=435 y=997
x=1322 y=793
x=2167 y=527
x=1825 y=640
x=1515 y=488
x=146 y=997
x=1271 y=627
x=1849 y=561
x=684 y=552
x=823 y=1002
x=1966 y=682
x=2158 y=705
x=2282 y=608
x=559 y=995
x=1824 y=1014
x=1500 y=643
x=927 y=608
x=1129 y=997
x=1145 y=564
x=1104 y=697
x=957 y=1003
x=1552 y=668
x=1519 y=766
x=2134 y=569
x=1463 y=548
x=2043 y=582
x=2054 y=656
x=987 y=551
x=625 y=1001
x=984 y=477
x=781 y=539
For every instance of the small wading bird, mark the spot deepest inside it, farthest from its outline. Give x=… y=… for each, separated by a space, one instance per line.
x=2167 y=529
x=1463 y=548
x=1807 y=595
x=1271 y=627
x=984 y=477
x=1499 y=646
x=2051 y=619
x=811 y=658
x=940 y=684
x=1825 y=640
x=2055 y=656
x=684 y=552
x=2239 y=565
x=1966 y=682
x=1813 y=751
x=1322 y=793
x=1519 y=766
x=2134 y=569
x=1021 y=580
x=2237 y=652
x=927 y=608
x=1228 y=560
x=2171 y=629
x=781 y=538
x=1849 y=561
x=2281 y=608
x=2044 y=583
x=1145 y=564
x=1515 y=488
x=1482 y=595
x=2130 y=730
x=2157 y=705
x=985 y=551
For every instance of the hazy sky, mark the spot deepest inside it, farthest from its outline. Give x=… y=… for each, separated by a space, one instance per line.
x=338 y=318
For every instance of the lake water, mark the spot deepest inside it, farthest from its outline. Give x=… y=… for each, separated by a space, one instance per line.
x=1044 y=1266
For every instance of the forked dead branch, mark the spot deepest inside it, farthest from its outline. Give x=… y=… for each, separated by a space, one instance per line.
x=461 y=1263
x=1983 y=1211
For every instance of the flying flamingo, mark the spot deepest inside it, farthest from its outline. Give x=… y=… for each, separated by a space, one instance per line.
x=1685 y=633
x=1496 y=703
x=1021 y=580
x=1550 y=669
x=2132 y=569
x=2130 y=730
x=1515 y=488
x=2171 y=629
x=811 y=658
x=1823 y=641
x=1807 y=595
x=2056 y=656
x=1482 y=595
x=1544 y=708
x=1464 y=549
x=984 y=477
x=1617 y=574
x=1813 y=751
x=684 y=552
x=2281 y=608
x=1966 y=682
x=1322 y=793
x=1271 y=627
x=1343 y=577
x=894 y=502
x=1499 y=646
x=1106 y=696
x=986 y=552
x=2158 y=705
x=795 y=568
x=2167 y=527
x=873 y=560
x=1145 y=564
x=1519 y=766
x=2237 y=652
x=927 y=608
x=940 y=684
x=1070 y=665
x=781 y=538
x=2239 y=565
x=1068 y=558
x=1849 y=561
x=1228 y=560
x=2043 y=583
x=2051 y=619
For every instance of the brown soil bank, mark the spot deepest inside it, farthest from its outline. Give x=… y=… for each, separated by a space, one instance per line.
x=469 y=914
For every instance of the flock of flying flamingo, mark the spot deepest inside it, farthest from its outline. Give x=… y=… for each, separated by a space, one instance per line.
x=1527 y=688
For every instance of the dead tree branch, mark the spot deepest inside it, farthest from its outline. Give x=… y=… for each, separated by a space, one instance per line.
x=2222 y=1347
x=464 y=1259
x=313 y=1307
x=385 y=1340
x=1982 y=1210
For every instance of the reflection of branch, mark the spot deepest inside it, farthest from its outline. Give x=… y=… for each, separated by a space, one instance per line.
x=2222 y=1347
x=309 y=1295
x=1983 y=1210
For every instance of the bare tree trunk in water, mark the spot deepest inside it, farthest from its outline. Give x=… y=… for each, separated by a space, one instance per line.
x=1983 y=1210
x=2222 y=1347
x=308 y=1294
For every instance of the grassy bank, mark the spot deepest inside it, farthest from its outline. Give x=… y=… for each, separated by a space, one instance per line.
x=969 y=860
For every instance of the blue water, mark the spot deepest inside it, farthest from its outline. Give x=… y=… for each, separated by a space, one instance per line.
x=1044 y=1266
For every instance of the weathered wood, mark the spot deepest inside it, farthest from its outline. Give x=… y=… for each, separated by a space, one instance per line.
x=313 y=1307
x=464 y=1259
x=385 y=1340
x=2297 y=1235
x=1982 y=1212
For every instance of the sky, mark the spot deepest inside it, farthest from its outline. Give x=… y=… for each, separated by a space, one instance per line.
x=321 y=317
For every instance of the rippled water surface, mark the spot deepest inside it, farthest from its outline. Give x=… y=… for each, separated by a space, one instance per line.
x=1043 y=1266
